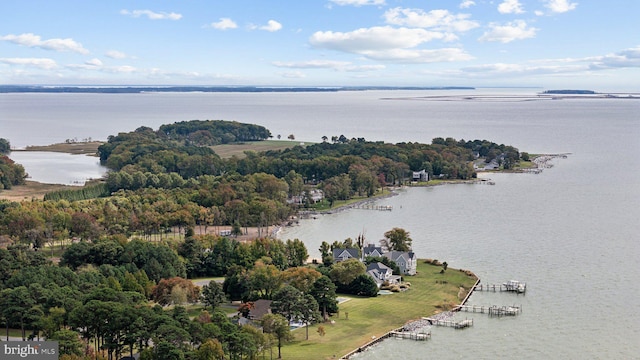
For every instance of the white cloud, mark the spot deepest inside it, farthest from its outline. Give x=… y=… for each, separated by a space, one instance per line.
x=466 y=4
x=94 y=62
x=388 y=44
x=358 y=2
x=418 y=56
x=560 y=6
x=510 y=7
x=224 y=24
x=628 y=58
x=152 y=15
x=42 y=63
x=437 y=19
x=375 y=38
x=115 y=54
x=272 y=26
x=121 y=69
x=32 y=40
x=516 y=30
x=623 y=59
x=312 y=64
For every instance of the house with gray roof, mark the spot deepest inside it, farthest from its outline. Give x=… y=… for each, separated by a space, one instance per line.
x=345 y=254
x=407 y=261
x=381 y=274
x=372 y=250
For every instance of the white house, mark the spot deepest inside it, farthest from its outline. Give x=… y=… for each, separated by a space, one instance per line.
x=421 y=175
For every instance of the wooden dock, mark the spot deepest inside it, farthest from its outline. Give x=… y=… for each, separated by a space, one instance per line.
x=493 y=310
x=451 y=323
x=374 y=207
x=510 y=286
x=419 y=336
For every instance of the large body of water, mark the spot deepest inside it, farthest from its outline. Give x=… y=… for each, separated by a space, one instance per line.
x=571 y=233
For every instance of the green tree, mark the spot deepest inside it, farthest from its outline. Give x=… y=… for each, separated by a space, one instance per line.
x=213 y=295
x=324 y=291
x=264 y=279
x=287 y=302
x=297 y=253
x=396 y=239
x=69 y=342
x=5 y=146
x=211 y=349
x=364 y=285
x=277 y=325
x=346 y=271
x=308 y=312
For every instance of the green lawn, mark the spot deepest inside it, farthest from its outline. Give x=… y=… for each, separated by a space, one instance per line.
x=228 y=150
x=430 y=292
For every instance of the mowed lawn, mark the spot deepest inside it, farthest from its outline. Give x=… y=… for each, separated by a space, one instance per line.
x=228 y=150
x=431 y=292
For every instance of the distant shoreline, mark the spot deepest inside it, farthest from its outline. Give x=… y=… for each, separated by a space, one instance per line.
x=202 y=89
x=532 y=97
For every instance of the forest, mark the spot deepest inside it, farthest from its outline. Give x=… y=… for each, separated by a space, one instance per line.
x=105 y=269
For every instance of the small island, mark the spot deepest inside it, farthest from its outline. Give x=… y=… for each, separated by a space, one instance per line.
x=569 y=92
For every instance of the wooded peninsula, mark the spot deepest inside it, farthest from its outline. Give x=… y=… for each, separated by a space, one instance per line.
x=108 y=269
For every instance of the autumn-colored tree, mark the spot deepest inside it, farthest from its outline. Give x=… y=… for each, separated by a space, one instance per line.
x=175 y=290
x=301 y=278
x=264 y=279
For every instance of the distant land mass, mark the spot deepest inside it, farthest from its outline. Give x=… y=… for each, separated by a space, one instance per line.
x=570 y=92
x=141 y=89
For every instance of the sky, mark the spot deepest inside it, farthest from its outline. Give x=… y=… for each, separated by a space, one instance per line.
x=577 y=44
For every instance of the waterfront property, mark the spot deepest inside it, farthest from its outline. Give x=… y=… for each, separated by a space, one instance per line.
x=382 y=274
x=406 y=260
x=371 y=318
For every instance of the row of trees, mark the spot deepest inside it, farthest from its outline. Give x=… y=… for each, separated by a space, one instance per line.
x=213 y=132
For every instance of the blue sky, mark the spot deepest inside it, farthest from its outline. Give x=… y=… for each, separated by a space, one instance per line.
x=591 y=44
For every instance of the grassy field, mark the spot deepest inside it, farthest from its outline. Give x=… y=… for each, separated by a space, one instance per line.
x=431 y=292
x=89 y=148
x=31 y=190
x=228 y=150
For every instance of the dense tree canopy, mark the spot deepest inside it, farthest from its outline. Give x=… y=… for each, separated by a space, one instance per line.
x=10 y=173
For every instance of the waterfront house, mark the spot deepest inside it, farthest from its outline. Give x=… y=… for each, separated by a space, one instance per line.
x=420 y=176
x=345 y=254
x=381 y=273
x=372 y=250
x=407 y=261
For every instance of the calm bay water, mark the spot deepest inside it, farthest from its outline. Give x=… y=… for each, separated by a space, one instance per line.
x=571 y=232
x=59 y=168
